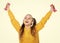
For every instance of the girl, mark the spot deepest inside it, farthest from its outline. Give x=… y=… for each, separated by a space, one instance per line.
x=28 y=32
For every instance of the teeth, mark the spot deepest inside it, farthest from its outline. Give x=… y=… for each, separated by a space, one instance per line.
x=26 y=21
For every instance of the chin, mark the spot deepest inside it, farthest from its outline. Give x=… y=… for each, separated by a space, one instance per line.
x=26 y=24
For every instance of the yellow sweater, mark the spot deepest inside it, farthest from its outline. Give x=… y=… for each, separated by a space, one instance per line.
x=27 y=37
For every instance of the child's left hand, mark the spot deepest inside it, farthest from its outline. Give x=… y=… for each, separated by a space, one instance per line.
x=53 y=8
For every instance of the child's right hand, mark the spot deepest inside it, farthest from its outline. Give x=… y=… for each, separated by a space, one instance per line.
x=53 y=8
x=7 y=6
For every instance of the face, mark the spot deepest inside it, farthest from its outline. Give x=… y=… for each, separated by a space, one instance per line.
x=28 y=20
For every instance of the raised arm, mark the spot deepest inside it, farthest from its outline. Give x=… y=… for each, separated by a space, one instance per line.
x=14 y=22
x=41 y=24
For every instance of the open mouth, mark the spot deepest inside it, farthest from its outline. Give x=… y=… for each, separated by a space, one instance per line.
x=26 y=21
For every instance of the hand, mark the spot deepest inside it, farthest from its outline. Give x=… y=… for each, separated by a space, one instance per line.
x=7 y=6
x=53 y=8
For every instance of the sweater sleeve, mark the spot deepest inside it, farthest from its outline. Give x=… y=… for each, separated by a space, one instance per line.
x=14 y=22
x=41 y=24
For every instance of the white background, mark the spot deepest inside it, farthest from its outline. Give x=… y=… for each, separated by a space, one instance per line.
x=38 y=9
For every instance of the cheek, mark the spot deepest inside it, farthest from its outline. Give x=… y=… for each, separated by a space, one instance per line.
x=30 y=21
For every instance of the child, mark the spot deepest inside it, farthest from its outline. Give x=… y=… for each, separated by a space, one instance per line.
x=28 y=32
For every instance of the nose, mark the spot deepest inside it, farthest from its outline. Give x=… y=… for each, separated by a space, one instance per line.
x=26 y=18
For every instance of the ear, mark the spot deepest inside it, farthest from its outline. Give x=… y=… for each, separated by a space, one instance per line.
x=32 y=24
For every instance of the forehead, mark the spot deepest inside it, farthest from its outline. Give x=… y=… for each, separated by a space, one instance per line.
x=28 y=15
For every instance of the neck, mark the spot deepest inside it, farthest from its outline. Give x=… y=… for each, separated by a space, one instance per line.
x=27 y=27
